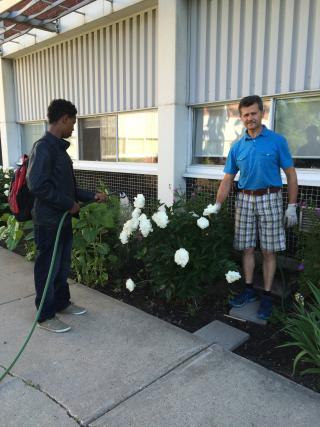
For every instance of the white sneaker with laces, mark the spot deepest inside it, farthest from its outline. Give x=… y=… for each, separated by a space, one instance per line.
x=73 y=309
x=54 y=325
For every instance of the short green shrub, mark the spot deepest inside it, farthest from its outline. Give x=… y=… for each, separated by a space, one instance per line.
x=5 y=180
x=93 y=233
x=204 y=254
x=304 y=330
x=13 y=232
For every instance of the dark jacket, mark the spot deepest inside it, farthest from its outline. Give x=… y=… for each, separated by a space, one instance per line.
x=51 y=180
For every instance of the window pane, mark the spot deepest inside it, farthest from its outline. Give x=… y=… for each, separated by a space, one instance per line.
x=72 y=150
x=97 y=138
x=216 y=129
x=298 y=120
x=30 y=133
x=109 y=139
x=138 y=137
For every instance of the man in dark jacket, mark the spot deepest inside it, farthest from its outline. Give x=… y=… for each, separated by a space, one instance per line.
x=51 y=180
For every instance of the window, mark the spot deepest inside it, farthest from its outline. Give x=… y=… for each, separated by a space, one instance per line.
x=30 y=133
x=97 y=138
x=216 y=129
x=138 y=137
x=125 y=137
x=298 y=119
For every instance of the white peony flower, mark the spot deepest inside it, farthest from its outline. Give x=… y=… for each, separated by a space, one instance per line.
x=181 y=257
x=139 y=201
x=142 y=217
x=6 y=192
x=145 y=227
x=134 y=224
x=130 y=285
x=6 y=185
x=6 y=176
x=161 y=219
x=123 y=237
x=162 y=208
x=127 y=227
x=136 y=213
x=208 y=210
x=232 y=276
x=202 y=223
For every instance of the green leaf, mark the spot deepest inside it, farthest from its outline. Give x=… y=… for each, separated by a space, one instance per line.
x=89 y=235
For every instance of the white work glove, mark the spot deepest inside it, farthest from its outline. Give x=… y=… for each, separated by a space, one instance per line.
x=212 y=209
x=290 y=215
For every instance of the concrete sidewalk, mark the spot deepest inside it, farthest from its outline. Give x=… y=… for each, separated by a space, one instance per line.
x=119 y=366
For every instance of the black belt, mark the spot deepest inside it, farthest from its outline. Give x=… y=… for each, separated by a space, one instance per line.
x=261 y=191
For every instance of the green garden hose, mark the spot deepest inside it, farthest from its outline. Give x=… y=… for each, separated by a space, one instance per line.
x=42 y=299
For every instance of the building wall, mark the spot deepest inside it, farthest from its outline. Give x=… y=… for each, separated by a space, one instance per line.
x=111 y=68
x=253 y=46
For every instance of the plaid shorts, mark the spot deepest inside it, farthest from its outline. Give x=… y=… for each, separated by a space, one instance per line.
x=263 y=214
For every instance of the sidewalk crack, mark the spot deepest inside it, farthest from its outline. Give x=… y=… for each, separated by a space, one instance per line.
x=37 y=387
x=103 y=412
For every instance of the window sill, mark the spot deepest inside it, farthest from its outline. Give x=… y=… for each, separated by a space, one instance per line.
x=308 y=177
x=119 y=167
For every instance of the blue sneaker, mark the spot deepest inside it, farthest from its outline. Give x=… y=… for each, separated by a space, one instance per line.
x=265 y=308
x=248 y=295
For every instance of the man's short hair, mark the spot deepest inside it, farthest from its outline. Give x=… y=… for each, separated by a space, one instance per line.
x=59 y=108
x=247 y=101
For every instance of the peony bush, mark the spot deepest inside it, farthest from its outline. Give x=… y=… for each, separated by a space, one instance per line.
x=184 y=252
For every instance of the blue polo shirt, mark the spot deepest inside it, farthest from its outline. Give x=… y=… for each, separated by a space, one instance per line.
x=259 y=160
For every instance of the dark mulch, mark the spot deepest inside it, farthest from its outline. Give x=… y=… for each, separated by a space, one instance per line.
x=262 y=347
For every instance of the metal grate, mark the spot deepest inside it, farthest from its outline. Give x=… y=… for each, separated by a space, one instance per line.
x=307 y=197
x=131 y=184
x=306 y=217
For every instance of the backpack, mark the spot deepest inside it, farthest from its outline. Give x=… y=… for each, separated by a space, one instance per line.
x=20 y=199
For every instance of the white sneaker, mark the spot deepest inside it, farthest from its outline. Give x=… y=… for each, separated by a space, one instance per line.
x=73 y=309
x=54 y=325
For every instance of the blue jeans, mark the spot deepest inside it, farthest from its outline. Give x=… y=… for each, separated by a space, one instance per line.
x=58 y=294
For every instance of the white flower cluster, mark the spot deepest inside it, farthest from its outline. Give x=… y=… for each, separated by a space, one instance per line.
x=210 y=209
x=130 y=285
x=202 y=223
x=139 y=201
x=160 y=218
x=136 y=213
x=181 y=257
x=137 y=220
x=145 y=225
x=128 y=228
x=232 y=276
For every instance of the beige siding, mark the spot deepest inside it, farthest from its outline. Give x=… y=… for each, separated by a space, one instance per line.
x=112 y=68
x=241 y=47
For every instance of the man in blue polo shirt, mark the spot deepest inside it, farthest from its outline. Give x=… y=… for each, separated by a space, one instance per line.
x=258 y=156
